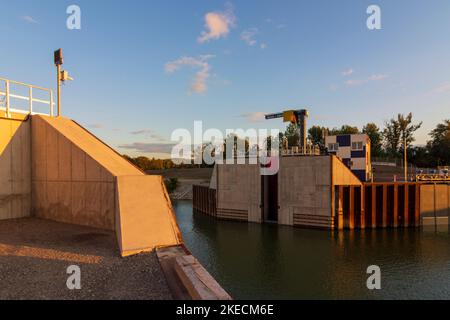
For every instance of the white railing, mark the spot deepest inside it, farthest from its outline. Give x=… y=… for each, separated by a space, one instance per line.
x=7 y=95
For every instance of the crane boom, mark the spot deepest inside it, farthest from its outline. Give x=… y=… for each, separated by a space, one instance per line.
x=297 y=117
x=274 y=116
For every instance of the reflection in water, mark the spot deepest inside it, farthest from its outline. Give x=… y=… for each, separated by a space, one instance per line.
x=253 y=261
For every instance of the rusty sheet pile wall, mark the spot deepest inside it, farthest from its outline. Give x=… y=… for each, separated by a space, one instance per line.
x=204 y=200
x=378 y=205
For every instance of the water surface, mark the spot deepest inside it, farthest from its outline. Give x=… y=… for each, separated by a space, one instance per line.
x=263 y=261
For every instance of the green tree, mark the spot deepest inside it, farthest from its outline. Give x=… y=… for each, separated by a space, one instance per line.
x=397 y=131
x=345 y=129
x=171 y=184
x=376 y=139
x=291 y=134
x=439 y=146
x=316 y=135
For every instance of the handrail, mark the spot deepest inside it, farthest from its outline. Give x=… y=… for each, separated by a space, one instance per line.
x=8 y=95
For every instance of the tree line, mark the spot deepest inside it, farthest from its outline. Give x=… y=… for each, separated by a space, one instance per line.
x=388 y=142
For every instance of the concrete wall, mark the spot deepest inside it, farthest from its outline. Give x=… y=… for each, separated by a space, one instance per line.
x=342 y=175
x=15 y=169
x=68 y=184
x=305 y=191
x=78 y=179
x=239 y=192
x=435 y=198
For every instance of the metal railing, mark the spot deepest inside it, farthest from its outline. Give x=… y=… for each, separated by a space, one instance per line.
x=309 y=150
x=8 y=95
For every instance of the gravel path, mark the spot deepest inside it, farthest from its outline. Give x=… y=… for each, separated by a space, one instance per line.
x=35 y=255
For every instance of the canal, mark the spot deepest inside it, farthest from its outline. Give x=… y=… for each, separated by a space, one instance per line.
x=253 y=261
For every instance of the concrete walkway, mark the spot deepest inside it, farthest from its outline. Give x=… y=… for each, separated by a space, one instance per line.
x=35 y=255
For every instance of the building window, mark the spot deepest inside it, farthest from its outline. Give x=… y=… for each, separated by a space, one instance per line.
x=333 y=147
x=357 y=146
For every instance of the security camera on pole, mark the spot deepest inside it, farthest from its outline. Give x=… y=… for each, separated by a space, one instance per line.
x=62 y=76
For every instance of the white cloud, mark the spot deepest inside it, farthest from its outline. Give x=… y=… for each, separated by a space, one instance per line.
x=348 y=72
x=199 y=82
x=254 y=116
x=29 y=19
x=148 y=133
x=281 y=26
x=358 y=82
x=378 y=77
x=263 y=46
x=95 y=126
x=218 y=24
x=333 y=87
x=248 y=36
x=355 y=82
x=443 y=87
x=149 y=147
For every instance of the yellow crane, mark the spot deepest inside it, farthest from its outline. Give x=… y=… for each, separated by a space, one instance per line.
x=297 y=117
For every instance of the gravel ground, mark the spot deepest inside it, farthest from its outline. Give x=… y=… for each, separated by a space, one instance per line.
x=35 y=255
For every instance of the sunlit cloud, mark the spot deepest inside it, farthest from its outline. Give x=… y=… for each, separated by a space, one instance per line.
x=254 y=116
x=347 y=72
x=148 y=133
x=372 y=78
x=333 y=87
x=199 y=82
x=149 y=147
x=95 y=126
x=29 y=19
x=248 y=36
x=378 y=77
x=443 y=87
x=218 y=24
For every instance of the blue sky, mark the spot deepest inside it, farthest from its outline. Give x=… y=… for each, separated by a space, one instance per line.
x=145 y=68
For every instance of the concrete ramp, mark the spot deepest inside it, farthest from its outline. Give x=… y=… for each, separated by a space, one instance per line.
x=145 y=217
x=78 y=179
x=94 y=147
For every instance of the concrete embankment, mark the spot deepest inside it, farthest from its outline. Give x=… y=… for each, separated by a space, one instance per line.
x=52 y=168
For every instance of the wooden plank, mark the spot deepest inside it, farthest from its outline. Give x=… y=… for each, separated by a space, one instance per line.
x=341 y=208
x=385 y=189
x=395 y=213
x=374 y=206
x=363 y=207
x=417 y=209
x=198 y=282
x=351 y=216
x=406 y=207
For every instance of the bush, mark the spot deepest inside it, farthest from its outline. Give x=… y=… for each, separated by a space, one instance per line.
x=171 y=184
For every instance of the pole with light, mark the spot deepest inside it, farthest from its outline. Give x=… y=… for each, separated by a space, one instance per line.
x=405 y=157
x=62 y=76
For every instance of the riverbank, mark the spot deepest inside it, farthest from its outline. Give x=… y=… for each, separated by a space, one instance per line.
x=266 y=261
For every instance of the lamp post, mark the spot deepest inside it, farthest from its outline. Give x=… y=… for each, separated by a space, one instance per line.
x=62 y=76
x=58 y=62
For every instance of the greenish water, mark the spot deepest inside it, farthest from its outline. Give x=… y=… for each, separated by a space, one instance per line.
x=253 y=261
